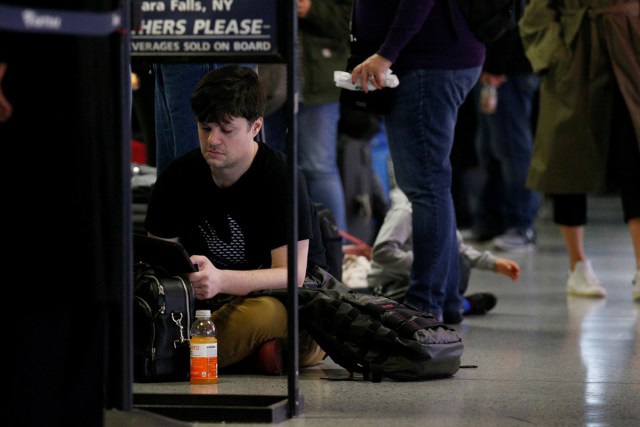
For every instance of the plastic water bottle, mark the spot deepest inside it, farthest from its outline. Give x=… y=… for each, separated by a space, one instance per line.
x=204 y=350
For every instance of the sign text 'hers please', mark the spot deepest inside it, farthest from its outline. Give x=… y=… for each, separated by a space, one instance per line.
x=206 y=25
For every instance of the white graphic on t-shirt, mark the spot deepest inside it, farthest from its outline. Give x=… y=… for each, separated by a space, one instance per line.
x=225 y=253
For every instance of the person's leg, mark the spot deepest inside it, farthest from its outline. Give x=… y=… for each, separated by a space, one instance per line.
x=513 y=145
x=464 y=164
x=570 y=212
x=144 y=110
x=489 y=217
x=574 y=243
x=630 y=194
x=625 y=65
x=162 y=119
x=318 y=156
x=244 y=324
x=420 y=134
x=625 y=167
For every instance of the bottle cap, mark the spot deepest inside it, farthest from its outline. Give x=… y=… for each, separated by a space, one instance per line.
x=203 y=313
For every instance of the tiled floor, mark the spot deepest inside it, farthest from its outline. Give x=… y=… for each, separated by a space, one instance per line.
x=543 y=358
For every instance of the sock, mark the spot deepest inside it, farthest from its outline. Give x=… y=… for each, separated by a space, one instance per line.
x=466 y=305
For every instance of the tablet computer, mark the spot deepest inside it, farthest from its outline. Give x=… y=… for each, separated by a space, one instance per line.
x=171 y=256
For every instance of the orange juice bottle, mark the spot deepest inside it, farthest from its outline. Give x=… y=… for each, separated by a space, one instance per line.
x=204 y=350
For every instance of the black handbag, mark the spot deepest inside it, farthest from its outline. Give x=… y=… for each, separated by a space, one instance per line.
x=163 y=309
x=379 y=101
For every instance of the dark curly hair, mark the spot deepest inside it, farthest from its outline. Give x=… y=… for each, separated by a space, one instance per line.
x=228 y=92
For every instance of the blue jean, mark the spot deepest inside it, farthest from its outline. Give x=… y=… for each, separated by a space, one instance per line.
x=504 y=144
x=420 y=133
x=317 y=152
x=176 y=128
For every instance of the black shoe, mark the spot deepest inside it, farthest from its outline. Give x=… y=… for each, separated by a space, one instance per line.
x=481 y=303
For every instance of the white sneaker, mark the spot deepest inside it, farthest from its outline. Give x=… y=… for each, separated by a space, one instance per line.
x=582 y=281
x=636 y=287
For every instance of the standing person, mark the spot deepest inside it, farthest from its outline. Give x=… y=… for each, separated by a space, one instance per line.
x=506 y=209
x=392 y=257
x=323 y=47
x=437 y=66
x=214 y=199
x=176 y=134
x=588 y=56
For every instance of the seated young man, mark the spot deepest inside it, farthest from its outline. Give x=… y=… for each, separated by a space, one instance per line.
x=227 y=203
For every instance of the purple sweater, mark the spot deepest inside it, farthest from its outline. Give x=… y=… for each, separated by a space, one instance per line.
x=416 y=34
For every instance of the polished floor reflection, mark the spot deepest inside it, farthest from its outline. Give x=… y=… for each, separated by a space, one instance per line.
x=540 y=357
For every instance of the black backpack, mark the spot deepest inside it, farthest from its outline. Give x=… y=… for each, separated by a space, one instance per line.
x=373 y=335
x=490 y=19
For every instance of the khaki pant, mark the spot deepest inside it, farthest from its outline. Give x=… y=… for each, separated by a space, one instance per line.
x=245 y=323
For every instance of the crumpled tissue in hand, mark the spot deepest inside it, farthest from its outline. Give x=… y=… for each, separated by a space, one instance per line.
x=343 y=80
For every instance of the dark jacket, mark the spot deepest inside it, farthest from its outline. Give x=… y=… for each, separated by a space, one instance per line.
x=416 y=34
x=583 y=49
x=324 y=47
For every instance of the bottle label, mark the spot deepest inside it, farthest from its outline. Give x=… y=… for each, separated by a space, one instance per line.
x=204 y=361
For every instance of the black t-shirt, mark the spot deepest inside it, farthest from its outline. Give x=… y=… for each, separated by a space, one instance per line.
x=235 y=227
